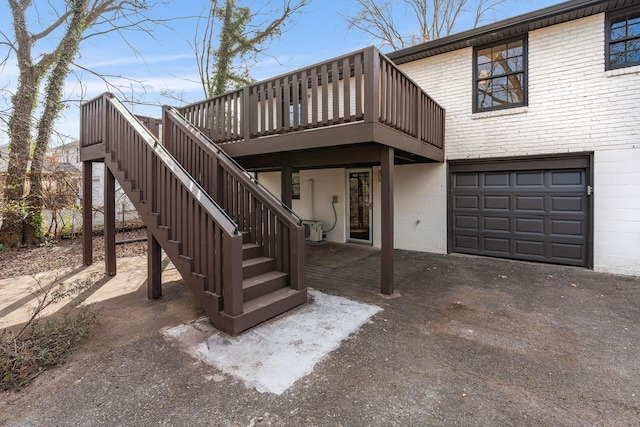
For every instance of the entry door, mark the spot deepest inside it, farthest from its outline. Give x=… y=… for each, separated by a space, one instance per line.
x=360 y=208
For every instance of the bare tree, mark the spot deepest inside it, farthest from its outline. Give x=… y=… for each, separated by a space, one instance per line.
x=63 y=25
x=432 y=18
x=224 y=55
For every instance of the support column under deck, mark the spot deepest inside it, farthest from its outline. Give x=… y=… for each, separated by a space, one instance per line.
x=286 y=193
x=154 y=267
x=386 y=276
x=87 y=213
x=109 y=222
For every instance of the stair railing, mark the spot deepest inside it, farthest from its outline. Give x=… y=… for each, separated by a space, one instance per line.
x=269 y=222
x=207 y=237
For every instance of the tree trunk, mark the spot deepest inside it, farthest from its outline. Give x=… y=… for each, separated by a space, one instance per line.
x=13 y=202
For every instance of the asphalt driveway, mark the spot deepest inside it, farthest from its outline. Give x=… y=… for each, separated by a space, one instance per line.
x=468 y=341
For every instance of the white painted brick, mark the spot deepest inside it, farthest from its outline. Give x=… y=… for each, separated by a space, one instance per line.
x=574 y=106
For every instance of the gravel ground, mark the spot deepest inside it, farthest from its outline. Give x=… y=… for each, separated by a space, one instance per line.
x=65 y=253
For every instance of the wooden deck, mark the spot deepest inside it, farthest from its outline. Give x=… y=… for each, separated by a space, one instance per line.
x=343 y=108
x=203 y=208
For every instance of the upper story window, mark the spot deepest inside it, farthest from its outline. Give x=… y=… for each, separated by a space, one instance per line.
x=623 y=38
x=500 y=75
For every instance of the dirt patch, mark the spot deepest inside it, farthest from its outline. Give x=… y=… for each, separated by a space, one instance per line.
x=67 y=253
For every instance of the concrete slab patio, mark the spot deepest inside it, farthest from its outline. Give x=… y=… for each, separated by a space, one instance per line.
x=469 y=341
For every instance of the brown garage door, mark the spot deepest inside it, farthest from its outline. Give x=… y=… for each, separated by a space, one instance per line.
x=534 y=210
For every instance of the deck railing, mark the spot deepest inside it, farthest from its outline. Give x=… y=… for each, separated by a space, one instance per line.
x=364 y=86
x=257 y=212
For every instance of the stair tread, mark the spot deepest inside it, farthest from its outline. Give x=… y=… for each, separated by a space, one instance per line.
x=250 y=245
x=257 y=260
x=268 y=299
x=261 y=278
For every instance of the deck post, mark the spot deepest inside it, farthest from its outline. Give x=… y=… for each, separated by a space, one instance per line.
x=372 y=85
x=232 y=271
x=109 y=222
x=154 y=267
x=386 y=276
x=87 y=213
x=286 y=193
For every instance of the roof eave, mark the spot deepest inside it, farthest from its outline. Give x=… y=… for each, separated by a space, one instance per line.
x=507 y=28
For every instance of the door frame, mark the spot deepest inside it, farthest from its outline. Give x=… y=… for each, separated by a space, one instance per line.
x=348 y=207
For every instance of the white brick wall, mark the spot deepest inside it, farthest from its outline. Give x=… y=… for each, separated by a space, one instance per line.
x=574 y=106
x=617 y=213
x=420 y=207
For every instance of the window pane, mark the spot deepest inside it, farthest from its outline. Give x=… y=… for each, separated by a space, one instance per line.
x=516 y=94
x=634 y=18
x=484 y=101
x=499 y=52
x=514 y=49
x=616 y=53
x=618 y=33
x=500 y=83
x=484 y=71
x=618 y=22
x=633 y=30
x=499 y=98
x=617 y=47
x=498 y=68
x=633 y=55
x=515 y=64
x=484 y=56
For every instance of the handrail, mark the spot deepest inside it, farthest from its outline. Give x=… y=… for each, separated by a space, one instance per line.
x=180 y=172
x=219 y=151
x=263 y=219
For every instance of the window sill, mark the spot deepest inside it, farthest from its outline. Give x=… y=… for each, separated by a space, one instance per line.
x=499 y=113
x=635 y=69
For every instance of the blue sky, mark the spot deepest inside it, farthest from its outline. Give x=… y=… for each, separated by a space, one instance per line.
x=318 y=33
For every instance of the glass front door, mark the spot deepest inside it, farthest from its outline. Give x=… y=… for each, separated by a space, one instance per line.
x=360 y=208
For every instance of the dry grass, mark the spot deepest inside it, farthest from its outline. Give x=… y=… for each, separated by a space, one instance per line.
x=40 y=344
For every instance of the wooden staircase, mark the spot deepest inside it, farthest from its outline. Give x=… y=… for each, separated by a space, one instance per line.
x=238 y=250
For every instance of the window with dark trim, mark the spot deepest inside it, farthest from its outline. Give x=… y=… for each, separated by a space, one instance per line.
x=623 y=38
x=500 y=75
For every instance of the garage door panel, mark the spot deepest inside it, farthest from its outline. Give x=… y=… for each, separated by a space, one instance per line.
x=574 y=178
x=563 y=227
x=496 y=202
x=530 y=225
x=467 y=180
x=499 y=179
x=530 y=203
x=496 y=245
x=470 y=243
x=496 y=224
x=529 y=179
x=573 y=252
x=466 y=221
x=466 y=202
x=536 y=214
x=529 y=247
x=567 y=204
